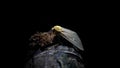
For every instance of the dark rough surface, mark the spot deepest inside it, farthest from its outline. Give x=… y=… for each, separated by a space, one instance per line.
x=56 y=56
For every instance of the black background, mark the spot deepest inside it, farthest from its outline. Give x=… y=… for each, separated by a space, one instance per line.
x=95 y=23
x=21 y=28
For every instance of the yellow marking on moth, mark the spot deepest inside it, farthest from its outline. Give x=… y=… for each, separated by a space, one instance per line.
x=57 y=28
